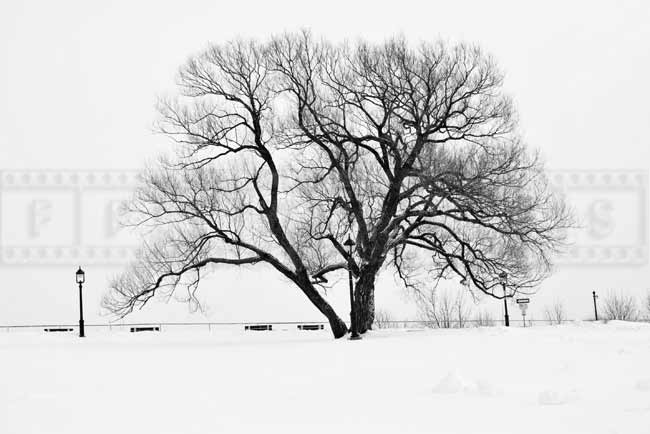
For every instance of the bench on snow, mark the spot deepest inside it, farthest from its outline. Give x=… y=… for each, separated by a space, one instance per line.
x=258 y=327
x=58 y=329
x=144 y=329
x=311 y=326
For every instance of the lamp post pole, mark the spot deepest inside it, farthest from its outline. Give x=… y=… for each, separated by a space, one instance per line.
x=81 y=277
x=81 y=313
x=505 y=305
x=354 y=335
x=595 y=306
x=503 y=277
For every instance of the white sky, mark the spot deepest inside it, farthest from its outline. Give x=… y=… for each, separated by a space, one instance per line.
x=78 y=81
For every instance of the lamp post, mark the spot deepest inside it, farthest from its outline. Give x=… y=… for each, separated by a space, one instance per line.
x=81 y=278
x=465 y=283
x=503 y=278
x=595 y=306
x=353 y=328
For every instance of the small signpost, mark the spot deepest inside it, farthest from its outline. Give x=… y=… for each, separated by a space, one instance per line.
x=523 y=306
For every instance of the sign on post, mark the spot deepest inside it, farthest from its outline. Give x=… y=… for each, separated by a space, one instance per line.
x=523 y=306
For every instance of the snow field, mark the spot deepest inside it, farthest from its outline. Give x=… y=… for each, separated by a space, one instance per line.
x=576 y=378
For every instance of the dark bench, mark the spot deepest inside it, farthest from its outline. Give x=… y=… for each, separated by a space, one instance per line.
x=259 y=327
x=311 y=327
x=58 y=329
x=144 y=329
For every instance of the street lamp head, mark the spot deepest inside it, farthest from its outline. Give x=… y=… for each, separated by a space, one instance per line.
x=503 y=277
x=349 y=242
x=80 y=275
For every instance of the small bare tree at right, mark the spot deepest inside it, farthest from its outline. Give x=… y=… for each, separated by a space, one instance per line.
x=618 y=306
x=556 y=313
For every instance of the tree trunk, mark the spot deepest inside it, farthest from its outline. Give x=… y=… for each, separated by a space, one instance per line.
x=338 y=327
x=364 y=301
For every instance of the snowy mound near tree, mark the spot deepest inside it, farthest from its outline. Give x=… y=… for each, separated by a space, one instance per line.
x=628 y=325
x=575 y=378
x=454 y=382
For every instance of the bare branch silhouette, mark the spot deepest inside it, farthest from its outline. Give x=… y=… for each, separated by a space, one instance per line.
x=286 y=148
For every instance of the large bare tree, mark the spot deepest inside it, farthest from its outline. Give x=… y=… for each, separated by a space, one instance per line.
x=289 y=147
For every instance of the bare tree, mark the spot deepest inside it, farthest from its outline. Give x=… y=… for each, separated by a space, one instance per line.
x=484 y=319
x=287 y=148
x=647 y=306
x=618 y=306
x=442 y=309
x=384 y=319
x=463 y=309
x=556 y=313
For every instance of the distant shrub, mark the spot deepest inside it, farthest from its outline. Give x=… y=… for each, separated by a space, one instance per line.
x=484 y=319
x=443 y=310
x=617 y=306
x=383 y=319
x=556 y=313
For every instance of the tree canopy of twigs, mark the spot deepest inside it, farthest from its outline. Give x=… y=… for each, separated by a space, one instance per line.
x=288 y=147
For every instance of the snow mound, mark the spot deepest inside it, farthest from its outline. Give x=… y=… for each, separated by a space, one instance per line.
x=454 y=383
x=627 y=325
x=486 y=388
x=556 y=397
x=643 y=385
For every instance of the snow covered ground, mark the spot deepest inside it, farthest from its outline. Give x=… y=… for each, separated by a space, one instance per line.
x=576 y=378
